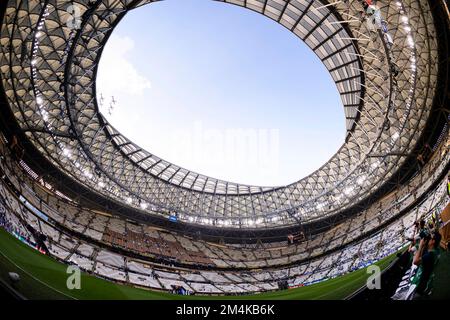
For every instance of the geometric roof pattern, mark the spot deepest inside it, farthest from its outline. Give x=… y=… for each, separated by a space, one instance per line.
x=50 y=51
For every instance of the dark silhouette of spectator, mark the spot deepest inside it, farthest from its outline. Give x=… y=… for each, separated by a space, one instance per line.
x=426 y=259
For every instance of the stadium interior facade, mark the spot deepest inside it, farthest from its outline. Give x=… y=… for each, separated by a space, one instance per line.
x=79 y=191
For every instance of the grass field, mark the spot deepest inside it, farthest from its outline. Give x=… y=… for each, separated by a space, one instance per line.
x=42 y=277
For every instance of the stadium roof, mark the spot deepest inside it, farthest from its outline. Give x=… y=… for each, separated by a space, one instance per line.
x=49 y=63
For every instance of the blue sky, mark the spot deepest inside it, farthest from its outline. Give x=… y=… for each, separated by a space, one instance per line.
x=220 y=90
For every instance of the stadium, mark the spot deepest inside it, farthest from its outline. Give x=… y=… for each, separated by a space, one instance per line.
x=79 y=198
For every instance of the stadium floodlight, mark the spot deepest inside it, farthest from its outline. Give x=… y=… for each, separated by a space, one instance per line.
x=410 y=40
x=375 y=165
x=395 y=136
x=87 y=173
x=67 y=152
x=144 y=205
x=348 y=191
x=361 y=179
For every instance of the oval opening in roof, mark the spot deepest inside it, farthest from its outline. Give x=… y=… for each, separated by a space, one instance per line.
x=221 y=91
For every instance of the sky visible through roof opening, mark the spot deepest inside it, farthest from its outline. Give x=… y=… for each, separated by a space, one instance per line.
x=220 y=90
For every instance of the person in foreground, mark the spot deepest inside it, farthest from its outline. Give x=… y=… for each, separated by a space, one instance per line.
x=426 y=258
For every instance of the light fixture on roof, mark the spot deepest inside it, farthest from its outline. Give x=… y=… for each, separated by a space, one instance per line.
x=87 y=173
x=144 y=205
x=361 y=179
x=67 y=152
x=410 y=40
x=395 y=136
x=338 y=197
x=375 y=165
x=348 y=191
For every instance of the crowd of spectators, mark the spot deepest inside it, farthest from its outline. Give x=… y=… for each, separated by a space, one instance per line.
x=180 y=290
x=11 y=228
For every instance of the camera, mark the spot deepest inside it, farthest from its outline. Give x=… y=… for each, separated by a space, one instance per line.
x=425 y=234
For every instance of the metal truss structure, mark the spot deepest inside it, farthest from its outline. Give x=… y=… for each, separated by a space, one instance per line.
x=50 y=52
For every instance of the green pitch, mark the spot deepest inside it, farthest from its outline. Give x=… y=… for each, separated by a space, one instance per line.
x=42 y=277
